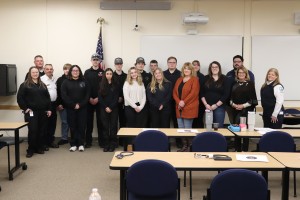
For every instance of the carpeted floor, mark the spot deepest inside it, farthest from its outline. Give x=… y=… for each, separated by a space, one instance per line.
x=63 y=175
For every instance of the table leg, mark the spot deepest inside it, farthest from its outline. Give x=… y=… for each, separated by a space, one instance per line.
x=17 y=157
x=238 y=143
x=122 y=185
x=285 y=184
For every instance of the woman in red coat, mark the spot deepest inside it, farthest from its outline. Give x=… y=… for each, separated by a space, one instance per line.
x=186 y=94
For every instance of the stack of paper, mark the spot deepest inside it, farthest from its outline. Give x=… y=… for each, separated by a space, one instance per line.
x=252 y=158
x=263 y=130
x=187 y=130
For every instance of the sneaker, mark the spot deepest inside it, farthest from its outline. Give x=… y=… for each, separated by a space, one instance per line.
x=81 y=148
x=73 y=148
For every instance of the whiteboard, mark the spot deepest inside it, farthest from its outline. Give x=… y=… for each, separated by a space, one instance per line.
x=192 y=47
x=281 y=52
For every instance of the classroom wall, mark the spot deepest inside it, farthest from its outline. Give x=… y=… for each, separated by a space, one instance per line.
x=65 y=31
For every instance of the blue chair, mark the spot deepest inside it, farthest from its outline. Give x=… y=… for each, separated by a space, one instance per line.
x=151 y=180
x=237 y=184
x=151 y=140
x=207 y=142
x=278 y=141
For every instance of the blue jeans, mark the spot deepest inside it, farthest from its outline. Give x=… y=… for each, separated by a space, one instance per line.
x=184 y=123
x=219 y=116
x=64 y=124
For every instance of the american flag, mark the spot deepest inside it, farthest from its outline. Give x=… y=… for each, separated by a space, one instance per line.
x=99 y=49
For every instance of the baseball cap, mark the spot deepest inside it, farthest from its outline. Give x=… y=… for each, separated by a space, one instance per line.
x=118 y=61
x=95 y=55
x=140 y=60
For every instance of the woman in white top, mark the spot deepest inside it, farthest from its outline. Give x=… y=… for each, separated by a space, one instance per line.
x=134 y=99
x=272 y=98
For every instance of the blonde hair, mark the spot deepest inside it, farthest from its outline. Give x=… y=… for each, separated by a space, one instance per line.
x=245 y=70
x=139 y=77
x=276 y=81
x=188 y=66
x=67 y=66
x=154 y=81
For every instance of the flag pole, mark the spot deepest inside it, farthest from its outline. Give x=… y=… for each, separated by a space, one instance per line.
x=99 y=48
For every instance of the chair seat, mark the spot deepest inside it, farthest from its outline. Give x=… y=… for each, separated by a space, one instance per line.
x=5 y=141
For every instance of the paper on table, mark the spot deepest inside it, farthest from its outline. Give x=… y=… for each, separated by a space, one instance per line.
x=147 y=129
x=187 y=130
x=264 y=130
x=252 y=158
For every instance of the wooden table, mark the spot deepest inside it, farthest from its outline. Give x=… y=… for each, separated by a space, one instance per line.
x=15 y=126
x=186 y=161
x=170 y=132
x=295 y=133
x=292 y=162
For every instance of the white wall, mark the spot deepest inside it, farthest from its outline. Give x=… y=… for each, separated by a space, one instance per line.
x=66 y=30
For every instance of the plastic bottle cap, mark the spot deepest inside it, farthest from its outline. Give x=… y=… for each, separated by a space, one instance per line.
x=94 y=190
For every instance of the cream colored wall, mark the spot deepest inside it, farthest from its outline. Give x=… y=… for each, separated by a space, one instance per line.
x=66 y=30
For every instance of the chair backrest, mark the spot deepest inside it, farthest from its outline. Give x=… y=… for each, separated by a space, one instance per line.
x=152 y=179
x=151 y=140
x=276 y=141
x=237 y=184
x=291 y=121
x=209 y=142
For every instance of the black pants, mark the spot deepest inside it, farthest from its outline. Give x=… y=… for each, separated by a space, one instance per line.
x=160 y=118
x=198 y=122
x=173 y=114
x=121 y=113
x=136 y=119
x=77 y=123
x=109 y=127
x=51 y=126
x=91 y=109
x=269 y=124
x=37 y=125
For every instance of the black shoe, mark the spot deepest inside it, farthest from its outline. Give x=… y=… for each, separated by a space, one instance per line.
x=105 y=149
x=62 y=142
x=29 y=154
x=111 y=148
x=87 y=146
x=53 y=145
x=46 y=148
x=40 y=151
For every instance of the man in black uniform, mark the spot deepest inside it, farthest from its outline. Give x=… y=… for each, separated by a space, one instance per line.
x=121 y=78
x=93 y=77
x=172 y=74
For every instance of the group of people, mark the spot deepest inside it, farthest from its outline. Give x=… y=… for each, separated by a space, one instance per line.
x=139 y=99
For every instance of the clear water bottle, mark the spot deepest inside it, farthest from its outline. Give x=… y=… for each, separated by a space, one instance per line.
x=95 y=195
x=208 y=120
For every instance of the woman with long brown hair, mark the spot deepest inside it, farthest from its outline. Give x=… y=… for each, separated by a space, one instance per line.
x=34 y=99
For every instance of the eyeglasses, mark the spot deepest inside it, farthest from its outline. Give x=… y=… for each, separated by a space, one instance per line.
x=96 y=59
